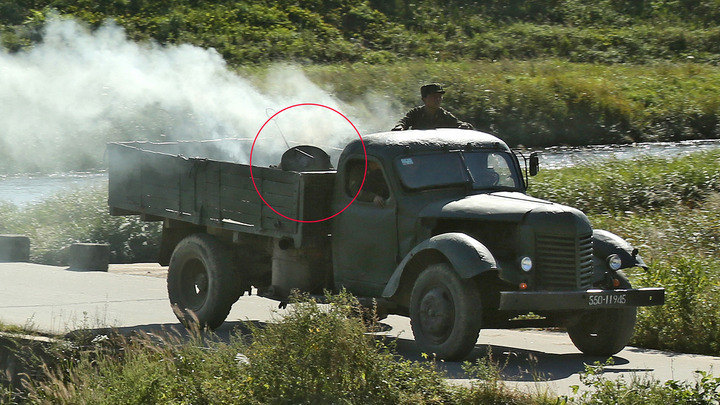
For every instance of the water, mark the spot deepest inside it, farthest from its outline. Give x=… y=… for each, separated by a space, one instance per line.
x=28 y=189
x=557 y=157
x=24 y=190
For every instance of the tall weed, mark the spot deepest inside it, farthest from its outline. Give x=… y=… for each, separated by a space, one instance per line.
x=314 y=354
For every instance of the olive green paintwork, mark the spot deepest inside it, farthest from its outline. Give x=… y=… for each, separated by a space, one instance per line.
x=368 y=241
x=606 y=243
x=373 y=246
x=467 y=256
x=387 y=146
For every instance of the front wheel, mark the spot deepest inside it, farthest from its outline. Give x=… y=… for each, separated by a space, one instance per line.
x=604 y=332
x=201 y=283
x=445 y=313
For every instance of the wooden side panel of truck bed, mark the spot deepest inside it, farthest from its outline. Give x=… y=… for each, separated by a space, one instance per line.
x=144 y=180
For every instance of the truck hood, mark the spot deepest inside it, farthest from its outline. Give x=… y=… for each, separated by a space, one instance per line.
x=502 y=206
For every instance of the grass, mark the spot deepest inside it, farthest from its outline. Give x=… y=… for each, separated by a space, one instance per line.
x=536 y=73
x=549 y=101
x=530 y=103
x=377 y=31
x=640 y=390
x=542 y=102
x=640 y=185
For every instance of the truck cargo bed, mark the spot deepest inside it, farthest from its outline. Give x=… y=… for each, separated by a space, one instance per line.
x=198 y=182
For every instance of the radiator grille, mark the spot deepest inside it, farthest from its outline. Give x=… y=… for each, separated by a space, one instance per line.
x=564 y=263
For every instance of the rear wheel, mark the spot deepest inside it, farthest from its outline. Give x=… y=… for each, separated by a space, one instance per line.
x=604 y=332
x=202 y=285
x=445 y=313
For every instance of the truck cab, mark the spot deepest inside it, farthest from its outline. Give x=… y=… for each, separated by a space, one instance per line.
x=457 y=209
x=433 y=178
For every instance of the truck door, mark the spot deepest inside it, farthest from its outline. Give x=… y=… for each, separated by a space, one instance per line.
x=365 y=234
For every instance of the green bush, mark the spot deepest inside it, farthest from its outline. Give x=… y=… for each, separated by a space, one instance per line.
x=258 y=31
x=313 y=354
x=689 y=321
x=317 y=355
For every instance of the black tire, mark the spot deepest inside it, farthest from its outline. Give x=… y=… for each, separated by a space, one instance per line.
x=604 y=332
x=445 y=313
x=202 y=285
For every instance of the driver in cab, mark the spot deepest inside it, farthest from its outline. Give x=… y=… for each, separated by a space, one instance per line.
x=375 y=188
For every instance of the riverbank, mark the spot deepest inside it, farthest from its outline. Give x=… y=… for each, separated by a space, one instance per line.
x=24 y=190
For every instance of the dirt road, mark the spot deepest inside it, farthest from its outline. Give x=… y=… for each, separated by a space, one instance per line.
x=134 y=297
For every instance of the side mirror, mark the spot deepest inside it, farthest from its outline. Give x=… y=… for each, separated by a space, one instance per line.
x=534 y=164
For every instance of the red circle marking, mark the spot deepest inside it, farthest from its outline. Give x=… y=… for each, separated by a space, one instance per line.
x=251 y=165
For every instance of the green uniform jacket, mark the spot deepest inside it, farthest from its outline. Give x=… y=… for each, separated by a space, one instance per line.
x=419 y=118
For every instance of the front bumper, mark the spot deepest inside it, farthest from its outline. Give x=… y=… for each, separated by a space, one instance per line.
x=590 y=299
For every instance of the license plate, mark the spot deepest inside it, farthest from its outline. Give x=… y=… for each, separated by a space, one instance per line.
x=600 y=300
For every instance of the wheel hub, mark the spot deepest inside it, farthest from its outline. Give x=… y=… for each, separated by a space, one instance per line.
x=194 y=284
x=201 y=283
x=437 y=314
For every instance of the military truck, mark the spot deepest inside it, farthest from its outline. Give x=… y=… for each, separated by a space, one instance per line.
x=435 y=225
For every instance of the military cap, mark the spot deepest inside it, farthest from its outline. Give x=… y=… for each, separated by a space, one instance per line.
x=431 y=88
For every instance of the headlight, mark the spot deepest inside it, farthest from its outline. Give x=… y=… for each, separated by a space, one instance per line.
x=526 y=263
x=614 y=262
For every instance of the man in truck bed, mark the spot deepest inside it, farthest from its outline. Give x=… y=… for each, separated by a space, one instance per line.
x=430 y=115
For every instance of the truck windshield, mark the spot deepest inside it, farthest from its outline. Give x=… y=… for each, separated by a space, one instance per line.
x=485 y=170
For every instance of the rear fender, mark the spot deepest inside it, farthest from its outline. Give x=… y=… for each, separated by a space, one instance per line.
x=467 y=256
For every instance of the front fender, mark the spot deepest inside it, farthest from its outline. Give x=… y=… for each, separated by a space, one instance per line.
x=467 y=256
x=606 y=243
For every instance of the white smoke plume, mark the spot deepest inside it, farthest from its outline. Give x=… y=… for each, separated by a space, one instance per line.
x=63 y=99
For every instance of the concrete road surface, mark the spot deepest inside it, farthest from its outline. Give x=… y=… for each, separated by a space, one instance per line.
x=135 y=297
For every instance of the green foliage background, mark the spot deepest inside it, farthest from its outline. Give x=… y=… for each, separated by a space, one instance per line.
x=539 y=72
x=552 y=102
x=252 y=31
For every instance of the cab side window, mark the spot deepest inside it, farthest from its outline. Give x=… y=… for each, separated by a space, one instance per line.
x=375 y=189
